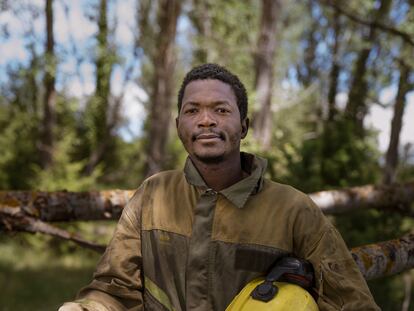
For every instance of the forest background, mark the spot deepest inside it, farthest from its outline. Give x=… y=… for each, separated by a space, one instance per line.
x=88 y=95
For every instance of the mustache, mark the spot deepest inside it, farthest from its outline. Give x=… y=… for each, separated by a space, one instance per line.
x=195 y=135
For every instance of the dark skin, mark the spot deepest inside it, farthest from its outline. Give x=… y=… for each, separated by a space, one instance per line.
x=210 y=129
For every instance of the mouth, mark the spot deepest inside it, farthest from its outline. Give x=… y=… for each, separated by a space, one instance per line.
x=207 y=137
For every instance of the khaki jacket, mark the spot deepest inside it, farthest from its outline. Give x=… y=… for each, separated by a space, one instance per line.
x=182 y=246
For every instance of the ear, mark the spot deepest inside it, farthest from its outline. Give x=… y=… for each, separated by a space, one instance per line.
x=245 y=127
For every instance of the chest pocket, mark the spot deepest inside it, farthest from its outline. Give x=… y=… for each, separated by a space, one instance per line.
x=256 y=258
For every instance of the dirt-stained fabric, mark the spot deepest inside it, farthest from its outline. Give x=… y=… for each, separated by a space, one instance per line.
x=182 y=246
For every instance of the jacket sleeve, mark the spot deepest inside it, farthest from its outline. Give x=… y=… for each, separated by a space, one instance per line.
x=339 y=282
x=117 y=281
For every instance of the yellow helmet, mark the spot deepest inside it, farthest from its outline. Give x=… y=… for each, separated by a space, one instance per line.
x=290 y=297
x=282 y=289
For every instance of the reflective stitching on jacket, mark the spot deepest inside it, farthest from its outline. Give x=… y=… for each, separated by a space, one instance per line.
x=158 y=294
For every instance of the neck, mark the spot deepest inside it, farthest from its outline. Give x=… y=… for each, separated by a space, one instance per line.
x=219 y=176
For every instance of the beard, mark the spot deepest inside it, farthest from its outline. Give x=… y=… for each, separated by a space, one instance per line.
x=210 y=159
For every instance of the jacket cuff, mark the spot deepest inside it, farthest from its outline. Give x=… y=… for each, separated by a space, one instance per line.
x=83 y=305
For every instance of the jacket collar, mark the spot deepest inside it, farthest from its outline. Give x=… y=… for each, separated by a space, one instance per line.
x=240 y=191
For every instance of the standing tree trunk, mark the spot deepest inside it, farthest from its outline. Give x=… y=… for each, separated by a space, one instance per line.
x=307 y=69
x=100 y=103
x=164 y=60
x=356 y=107
x=201 y=19
x=264 y=72
x=335 y=69
x=49 y=118
x=328 y=147
x=391 y=158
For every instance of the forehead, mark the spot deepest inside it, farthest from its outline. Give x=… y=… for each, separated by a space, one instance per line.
x=209 y=90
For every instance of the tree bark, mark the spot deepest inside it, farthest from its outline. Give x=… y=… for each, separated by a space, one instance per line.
x=67 y=206
x=385 y=258
x=201 y=19
x=356 y=108
x=163 y=85
x=307 y=70
x=396 y=197
x=391 y=158
x=14 y=220
x=264 y=72
x=100 y=103
x=49 y=106
x=335 y=69
x=98 y=205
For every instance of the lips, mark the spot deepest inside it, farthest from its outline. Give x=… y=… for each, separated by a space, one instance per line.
x=207 y=136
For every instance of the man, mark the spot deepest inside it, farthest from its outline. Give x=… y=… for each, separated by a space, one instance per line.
x=192 y=240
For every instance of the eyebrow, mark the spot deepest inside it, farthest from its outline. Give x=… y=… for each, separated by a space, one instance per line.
x=215 y=103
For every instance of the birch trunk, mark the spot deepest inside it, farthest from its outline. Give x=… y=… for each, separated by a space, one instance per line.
x=391 y=158
x=49 y=105
x=163 y=85
x=264 y=63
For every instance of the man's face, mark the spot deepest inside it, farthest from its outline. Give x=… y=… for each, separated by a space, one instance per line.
x=209 y=123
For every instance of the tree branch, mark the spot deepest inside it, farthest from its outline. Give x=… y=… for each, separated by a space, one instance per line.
x=374 y=24
x=12 y=219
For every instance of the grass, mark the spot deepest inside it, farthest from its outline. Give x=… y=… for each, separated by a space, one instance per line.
x=39 y=273
x=40 y=289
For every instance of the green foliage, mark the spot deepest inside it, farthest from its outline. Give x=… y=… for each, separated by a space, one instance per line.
x=336 y=159
x=307 y=151
x=64 y=173
x=19 y=151
x=389 y=292
x=124 y=171
x=231 y=37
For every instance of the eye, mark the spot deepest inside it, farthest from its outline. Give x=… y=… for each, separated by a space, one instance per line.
x=222 y=110
x=190 y=110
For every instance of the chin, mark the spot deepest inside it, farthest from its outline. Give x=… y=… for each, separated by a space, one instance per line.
x=210 y=158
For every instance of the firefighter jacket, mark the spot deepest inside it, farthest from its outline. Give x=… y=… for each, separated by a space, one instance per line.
x=182 y=246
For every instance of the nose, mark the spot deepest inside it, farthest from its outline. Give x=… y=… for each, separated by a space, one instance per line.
x=206 y=119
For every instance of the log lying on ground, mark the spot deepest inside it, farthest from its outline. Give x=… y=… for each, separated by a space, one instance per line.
x=11 y=219
x=66 y=205
x=385 y=258
x=395 y=197
x=374 y=260
x=98 y=205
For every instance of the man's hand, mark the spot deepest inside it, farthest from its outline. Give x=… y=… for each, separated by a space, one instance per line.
x=71 y=306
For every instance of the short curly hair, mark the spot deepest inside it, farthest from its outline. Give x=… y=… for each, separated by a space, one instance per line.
x=214 y=71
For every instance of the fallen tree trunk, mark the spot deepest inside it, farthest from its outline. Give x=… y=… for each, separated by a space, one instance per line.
x=394 y=197
x=374 y=260
x=67 y=206
x=385 y=258
x=99 y=205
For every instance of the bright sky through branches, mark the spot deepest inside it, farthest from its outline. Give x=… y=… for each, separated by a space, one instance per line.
x=74 y=32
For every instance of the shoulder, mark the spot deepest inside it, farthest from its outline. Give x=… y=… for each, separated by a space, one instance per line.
x=160 y=180
x=164 y=179
x=164 y=186
x=160 y=185
x=286 y=193
x=295 y=203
